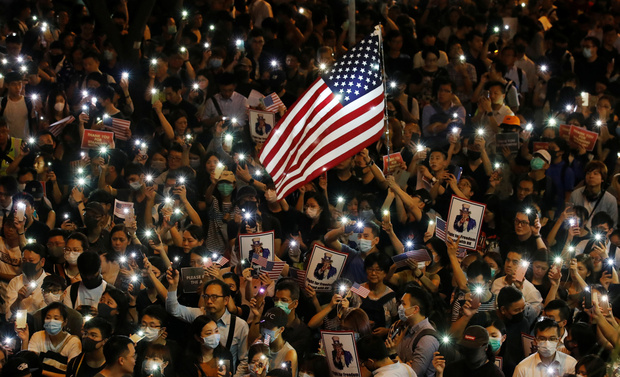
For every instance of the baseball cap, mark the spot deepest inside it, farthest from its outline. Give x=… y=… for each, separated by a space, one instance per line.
x=511 y=120
x=424 y=195
x=95 y=207
x=544 y=155
x=16 y=367
x=246 y=192
x=274 y=317
x=54 y=280
x=34 y=188
x=475 y=337
x=227 y=176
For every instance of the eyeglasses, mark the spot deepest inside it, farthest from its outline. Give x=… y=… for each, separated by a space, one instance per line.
x=596 y=260
x=373 y=270
x=522 y=222
x=543 y=339
x=209 y=297
x=75 y=250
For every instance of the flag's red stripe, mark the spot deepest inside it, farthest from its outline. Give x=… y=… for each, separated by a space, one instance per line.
x=346 y=121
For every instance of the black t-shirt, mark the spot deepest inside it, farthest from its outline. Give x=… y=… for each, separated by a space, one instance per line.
x=78 y=367
x=168 y=108
x=38 y=231
x=337 y=187
x=460 y=369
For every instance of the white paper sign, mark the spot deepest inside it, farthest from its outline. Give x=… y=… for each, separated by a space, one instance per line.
x=465 y=220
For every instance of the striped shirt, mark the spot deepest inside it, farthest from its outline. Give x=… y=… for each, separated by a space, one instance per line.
x=55 y=358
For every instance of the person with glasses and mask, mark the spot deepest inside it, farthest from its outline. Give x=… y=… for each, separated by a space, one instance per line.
x=153 y=325
x=24 y=290
x=91 y=361
x=75 y=245
x=547 y=361
x=216 y=294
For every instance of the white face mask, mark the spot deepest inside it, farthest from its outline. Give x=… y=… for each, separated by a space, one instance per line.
x=365 y=245
x=312 y=213
x=72 y=257
x=51 y=297
x=547 y=348
x=151 y=334
x=59 y=106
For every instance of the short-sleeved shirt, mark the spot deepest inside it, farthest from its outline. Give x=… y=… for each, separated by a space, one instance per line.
x=55 y=358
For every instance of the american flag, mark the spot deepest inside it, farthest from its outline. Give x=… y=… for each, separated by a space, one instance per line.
x=120 y=127
x=361 y=291
x=222 y=261
x=273 y=269
x=259 y=260
x=440 y=229
x=338 y=115
x=272 y=102
x=56 y=128
x=298 y=275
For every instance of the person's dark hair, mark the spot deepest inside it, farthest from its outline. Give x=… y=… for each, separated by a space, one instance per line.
x=115 y=347
x=465 y=21
x=420 y=298
x=57 y=232
x=157 y=312
x=176 y=115
x=134 y=168
x=101 y=196
x=491 y=84
x=477 y=268
x=371 y=347
x=81 y=238
x=325 y=216
x=55 y=305
x=225 y=287
x=91 y=53
x=561 y=306
x=595 y=42
x=316 y=364
x=235 y=277
x=256 y=349
x=500 y=67
x=508 y=296
x=430 y=50
x=473 y=34
x=173 y=82
x=101 y=324
x=104 y=92
x=587 y=262
x=601 y=218
x=88 y=263
x=279 y=373
x=374 y=228
x=196 y=232
x=544 y=324
x=595 y=366
x=498 y=324
x=439 y=246
x=289 y=285
x=122 y=303
x=596 y=165
x=442 y=81
x=584 y=337
x=382 y=260
x=10 y=184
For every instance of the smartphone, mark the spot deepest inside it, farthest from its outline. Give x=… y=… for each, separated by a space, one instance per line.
x=521 y=270
x=608 y=266
x=260 y=296
x=218 y=170
x=154 y=96
x=350 y=228
x=588 y=297
x=458 y=170
x=20 y=212
x=255 y=271
x=585 y=99
x=20 y=319
x=129 y=217
x=223 y=366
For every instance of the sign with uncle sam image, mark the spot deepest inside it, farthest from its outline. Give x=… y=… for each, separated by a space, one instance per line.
x=324 y=268
x=341 y=353
x=465 y=220
x=257 y=243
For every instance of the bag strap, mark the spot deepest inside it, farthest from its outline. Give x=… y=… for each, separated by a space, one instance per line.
x=73 y=293
x=216 y=105
x=3 y=105
x=231 y=330
x=423 y=333
x=597 y=203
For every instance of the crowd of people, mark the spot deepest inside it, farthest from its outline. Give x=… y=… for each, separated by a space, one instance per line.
x=129 y=155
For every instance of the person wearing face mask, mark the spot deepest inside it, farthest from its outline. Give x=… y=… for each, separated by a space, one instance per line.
x=152 y=324
x=593 y=195
x=24 y=290
x=368 y=244
x=91 y=361
x=84 y=295
x=75 y=245
x=547 y=359
x=52 y=288
x=380 y=304
x=34 y=229
x=560 y=172
x=478 y=284
x=204 y=350
x=219 y=197
x=296 y=332
x=477 y=357
x=272 y=325
x=497 y=335
x=53 y=345
x=114 y=307
x=559 y=311
x=590 y=67
x=94 y=229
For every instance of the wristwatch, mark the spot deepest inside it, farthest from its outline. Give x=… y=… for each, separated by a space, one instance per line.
x=490 y=114
x=251 y=182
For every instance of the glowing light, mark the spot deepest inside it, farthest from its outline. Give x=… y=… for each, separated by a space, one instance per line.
x=181 y=179
x=571 y=222
x=207 y=45
x=32 y=284
x=420 y=148
x=125 y=75
x=340 y=199
x=478 y=290
x=239 y=42
x=462 y=58
x=343 y=288
x=598 y=236
x=386 y=212
x=184 y=14
x=241 y=157
x=610 y=262
x=569 y=107
x=525 y=263
x=496 y=29
x=528 y=211
x=149 y=178
x=445 y=339
x=228 y=137
x=34 y=97
x=599 y=123
x=87 y=317
x=274 y=63
x=195 y=86
x=543 y=68
x=552 y=122
x=167 y=200
x=497 y=165
x=66 y=215
x=81 y=181
x=183 y=49
x=122 y=259
x=455 y=115
x=480 y=132
x=103 y=150
x=205 y=260
x=23 y=68
x=177 y=211
x=455 y=130
x=393 y=84
x=360 y=224
x=154 y=61
x=344 y=220
x=134 y=278
x=571 y=249
x=148 y=233
x=234 y=120
x=211 y=27
x=20 y=59
x=293 y=243
x=529 y=127
x=247 y=216
x=523 y=5
x=506 y=27
x=409 y=244
x=125 y=210
x=557 y=260
x=604 y=298
x=322 y=66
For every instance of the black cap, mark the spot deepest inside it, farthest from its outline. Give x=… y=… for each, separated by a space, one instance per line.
x=475 y=337
x=12 y=77
x=16 y=367
x=34 y=188
x=246 y=192
x=424 y=195
x=274 y=317
x=95 y=207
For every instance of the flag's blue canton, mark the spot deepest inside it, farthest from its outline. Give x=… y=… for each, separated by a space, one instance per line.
x=357 y=72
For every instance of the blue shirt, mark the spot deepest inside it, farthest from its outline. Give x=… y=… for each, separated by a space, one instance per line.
x=354 y=268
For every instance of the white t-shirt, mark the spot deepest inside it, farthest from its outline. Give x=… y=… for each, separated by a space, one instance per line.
x=69 y=348
x=16 y=114
x=85 y=297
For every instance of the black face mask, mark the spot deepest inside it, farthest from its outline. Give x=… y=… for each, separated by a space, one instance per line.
x=90 y=222
x=47 y=148
x=359 y=171
x=474 y=358
x=92 y=283
x=517 y=318
x=473 y=155
x=30 y=269
x=104 y=311
x=89 y=345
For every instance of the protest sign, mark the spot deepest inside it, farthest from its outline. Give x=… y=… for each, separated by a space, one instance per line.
x=324 y=268
x=259 y=243
x=93 y=139
x=392 y=163
x=465 y=219
x=261 y=123
x=123 y=209
x=583 y=138
x=191 y=278
x=508 y=140
x=341 y=353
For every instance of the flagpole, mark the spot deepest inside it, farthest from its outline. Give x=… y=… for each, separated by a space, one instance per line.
x=386 y=120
